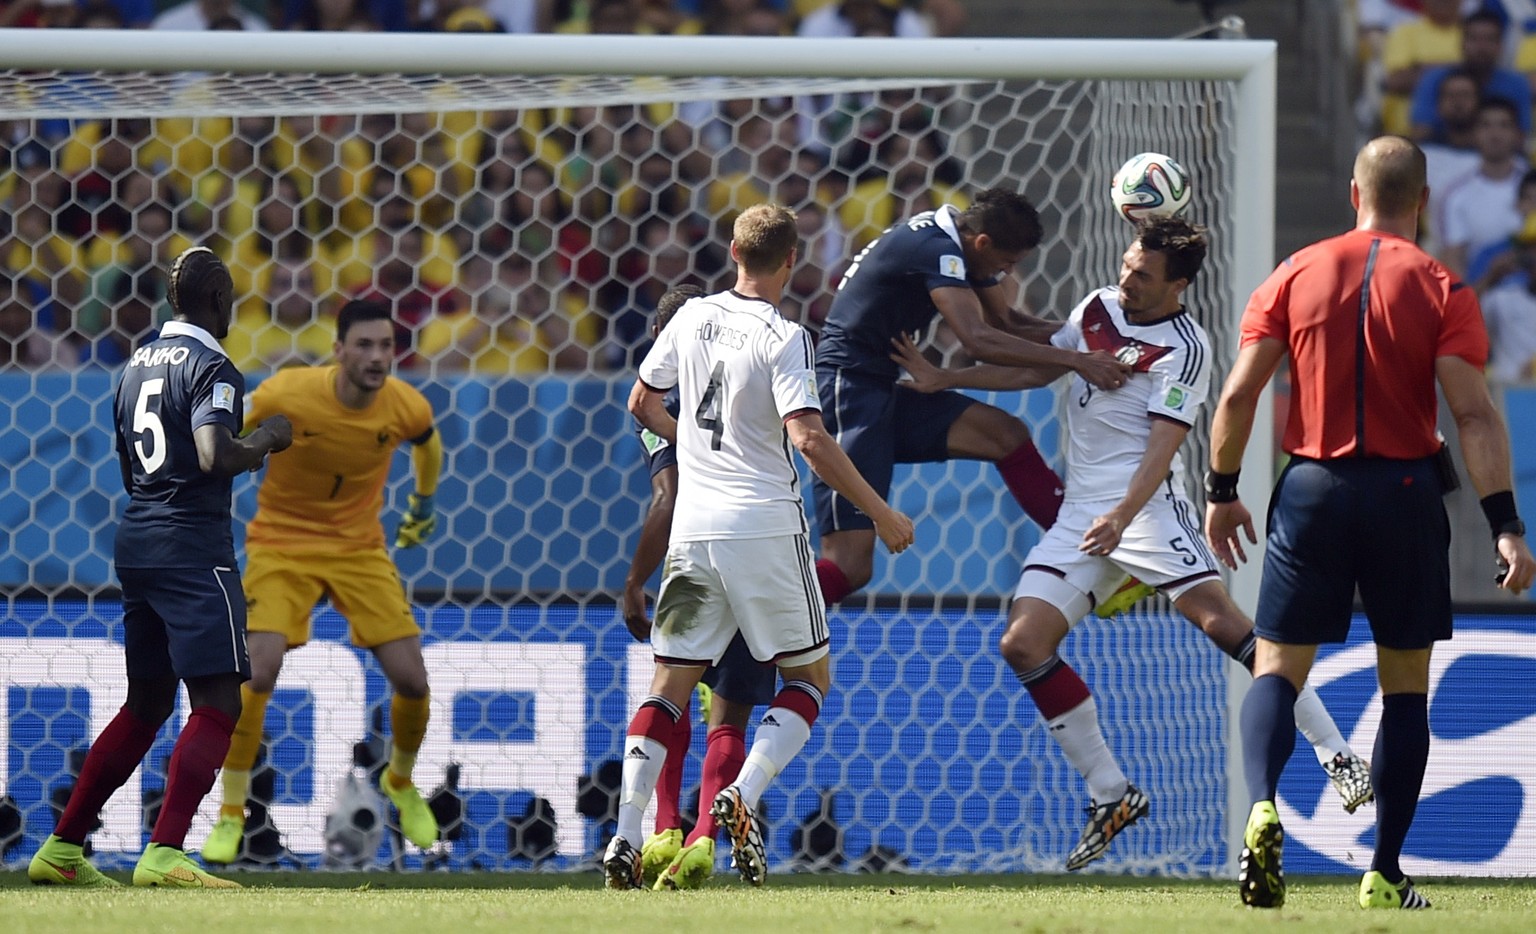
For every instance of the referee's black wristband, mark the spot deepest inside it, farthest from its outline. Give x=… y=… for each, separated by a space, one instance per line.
x=1221 y=487
x=1503 y=518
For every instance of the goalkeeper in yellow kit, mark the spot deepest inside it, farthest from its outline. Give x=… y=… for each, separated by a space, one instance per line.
x=317 y=532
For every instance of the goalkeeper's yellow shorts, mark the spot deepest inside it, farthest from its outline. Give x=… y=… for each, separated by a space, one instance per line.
x=281 y=590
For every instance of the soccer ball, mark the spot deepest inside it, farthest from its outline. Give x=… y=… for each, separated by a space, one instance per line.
x=1150 y=185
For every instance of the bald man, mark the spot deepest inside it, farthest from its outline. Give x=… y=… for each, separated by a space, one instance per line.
x=1371 y=324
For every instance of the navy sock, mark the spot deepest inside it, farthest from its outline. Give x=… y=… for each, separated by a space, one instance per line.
x=1269 y=734
x=1397 y=773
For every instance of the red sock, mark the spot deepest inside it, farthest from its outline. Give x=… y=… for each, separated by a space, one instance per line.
x=799 y=697
x=113 y=757
x=199 y=752
x=834 y=583
x=656 y=719
x=1033 y=483
x=1060 y=690
x=669 y=788
x=723 y=756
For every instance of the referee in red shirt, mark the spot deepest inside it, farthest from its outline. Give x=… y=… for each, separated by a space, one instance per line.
x=1371 y=323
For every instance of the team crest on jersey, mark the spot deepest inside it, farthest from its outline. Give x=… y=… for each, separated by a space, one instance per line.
x=952 y=266
x=1100 y=333
x=224 y=397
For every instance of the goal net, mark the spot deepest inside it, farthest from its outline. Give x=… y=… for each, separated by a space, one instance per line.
x=522 y=202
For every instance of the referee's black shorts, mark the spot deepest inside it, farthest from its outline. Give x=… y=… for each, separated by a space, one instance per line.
x=1374 y=523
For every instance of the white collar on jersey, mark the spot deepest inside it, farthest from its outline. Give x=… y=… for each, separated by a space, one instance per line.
x=945 y=218
x=188 y=329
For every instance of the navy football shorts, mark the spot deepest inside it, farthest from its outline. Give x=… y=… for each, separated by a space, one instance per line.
x=186 y=622
x=1371 y=523
x=740 y=678
x=879 y=424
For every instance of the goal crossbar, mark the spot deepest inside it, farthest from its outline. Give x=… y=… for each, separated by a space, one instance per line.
x=459 y=54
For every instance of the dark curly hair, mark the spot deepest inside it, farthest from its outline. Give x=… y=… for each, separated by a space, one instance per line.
x=1005 y=216
x=1182 y=244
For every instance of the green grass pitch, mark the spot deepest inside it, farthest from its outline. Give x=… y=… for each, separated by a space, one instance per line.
x=379 y=903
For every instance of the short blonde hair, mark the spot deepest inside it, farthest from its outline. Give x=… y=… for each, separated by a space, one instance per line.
x=1390 y=175
x=765 y=235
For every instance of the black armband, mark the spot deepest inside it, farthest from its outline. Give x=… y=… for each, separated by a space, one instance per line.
x=1503 y=517
x=1221 y=487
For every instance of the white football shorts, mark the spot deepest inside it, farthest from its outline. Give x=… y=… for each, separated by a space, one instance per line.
x=1163 y=547
x=765 y=587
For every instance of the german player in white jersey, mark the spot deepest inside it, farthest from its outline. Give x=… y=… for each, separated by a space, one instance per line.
x=739 y=557
x=1125 y=512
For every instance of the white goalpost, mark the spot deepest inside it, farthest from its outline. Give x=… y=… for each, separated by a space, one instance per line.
x=540 y=188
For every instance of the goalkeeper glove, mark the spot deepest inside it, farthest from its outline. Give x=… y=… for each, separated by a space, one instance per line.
x=417 y=523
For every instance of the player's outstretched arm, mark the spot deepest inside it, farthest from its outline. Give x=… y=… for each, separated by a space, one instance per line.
x=809 y=436
x=652 y=547
x=1485 y=448
x=925 y=377
x=997 y=309
x=220 y=453
x=962 y=312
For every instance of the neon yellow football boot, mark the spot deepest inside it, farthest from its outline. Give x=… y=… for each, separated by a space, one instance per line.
x=416 y=819
x=59 y=863
x=223 y=843
x=693 y=866
x=657 y=853
x=169 y=867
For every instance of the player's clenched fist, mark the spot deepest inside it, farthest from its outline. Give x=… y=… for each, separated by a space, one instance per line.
x=895 y=529
x=281 y=430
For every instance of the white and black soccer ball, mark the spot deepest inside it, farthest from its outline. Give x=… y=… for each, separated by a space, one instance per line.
x=1150 y=185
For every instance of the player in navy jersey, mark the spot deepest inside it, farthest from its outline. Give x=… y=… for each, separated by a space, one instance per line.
x=739 y=682
x=952 y=264
x=178 y=407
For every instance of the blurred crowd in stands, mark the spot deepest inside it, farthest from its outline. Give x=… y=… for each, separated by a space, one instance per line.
x=509 y=242
x=1457 y=76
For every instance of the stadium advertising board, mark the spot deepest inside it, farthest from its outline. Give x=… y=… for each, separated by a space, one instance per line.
x=927 y=750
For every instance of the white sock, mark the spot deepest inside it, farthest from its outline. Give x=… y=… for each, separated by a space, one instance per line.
x=1314 y=722
x=780 y=737
x=1077 y=733
x=643 y=759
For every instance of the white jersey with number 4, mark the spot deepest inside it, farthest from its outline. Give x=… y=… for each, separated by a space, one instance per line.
x=740 y=370
x=1107 y=430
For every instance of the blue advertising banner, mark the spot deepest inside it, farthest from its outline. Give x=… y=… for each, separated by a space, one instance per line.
x=1481 y=773
x=927 y=747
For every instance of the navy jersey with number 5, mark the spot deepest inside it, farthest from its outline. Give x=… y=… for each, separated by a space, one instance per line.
x=177 y=515
x=885 y=293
